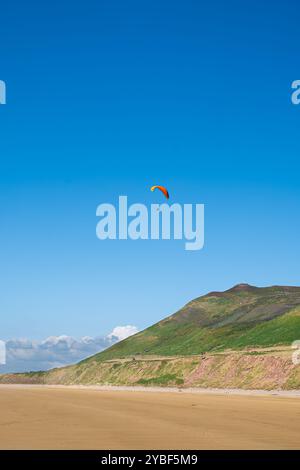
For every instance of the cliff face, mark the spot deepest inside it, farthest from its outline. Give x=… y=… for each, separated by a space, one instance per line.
x=260 y=369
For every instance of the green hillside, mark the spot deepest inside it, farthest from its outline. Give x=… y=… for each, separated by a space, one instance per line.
x=239 y=318
x=240 y=338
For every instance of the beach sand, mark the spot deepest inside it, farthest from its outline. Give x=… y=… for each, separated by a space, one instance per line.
x=43 y=417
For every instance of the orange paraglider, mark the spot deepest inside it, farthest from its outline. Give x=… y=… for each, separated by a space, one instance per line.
x=162 y=189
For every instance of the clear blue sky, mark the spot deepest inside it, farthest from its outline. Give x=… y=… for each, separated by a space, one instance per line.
x=111 y=97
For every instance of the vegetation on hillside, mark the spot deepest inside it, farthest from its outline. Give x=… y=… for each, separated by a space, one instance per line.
x=218 y=340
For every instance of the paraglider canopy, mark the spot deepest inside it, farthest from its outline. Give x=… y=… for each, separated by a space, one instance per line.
x=162 y=189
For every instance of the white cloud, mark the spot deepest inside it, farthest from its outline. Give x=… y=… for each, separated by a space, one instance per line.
x=123 y=332
x=57 y=351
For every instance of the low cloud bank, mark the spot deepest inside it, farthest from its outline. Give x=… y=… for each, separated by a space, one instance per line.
x=24 y=355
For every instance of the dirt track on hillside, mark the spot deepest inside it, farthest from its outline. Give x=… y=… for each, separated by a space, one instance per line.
x=45 y=418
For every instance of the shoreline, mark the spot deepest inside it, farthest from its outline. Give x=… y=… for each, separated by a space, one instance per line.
x=190 y=390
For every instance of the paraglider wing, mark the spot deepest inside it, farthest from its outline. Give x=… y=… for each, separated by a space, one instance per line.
x=162 y=189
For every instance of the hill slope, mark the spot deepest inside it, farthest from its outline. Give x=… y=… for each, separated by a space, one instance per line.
x=237 y=338
x=241 y=317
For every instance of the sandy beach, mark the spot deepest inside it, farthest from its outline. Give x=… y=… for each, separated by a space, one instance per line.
x=43 y=417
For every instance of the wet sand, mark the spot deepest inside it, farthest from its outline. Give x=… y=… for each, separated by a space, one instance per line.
x=81 y=418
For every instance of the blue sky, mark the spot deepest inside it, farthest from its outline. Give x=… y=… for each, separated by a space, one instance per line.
x=111 y=97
